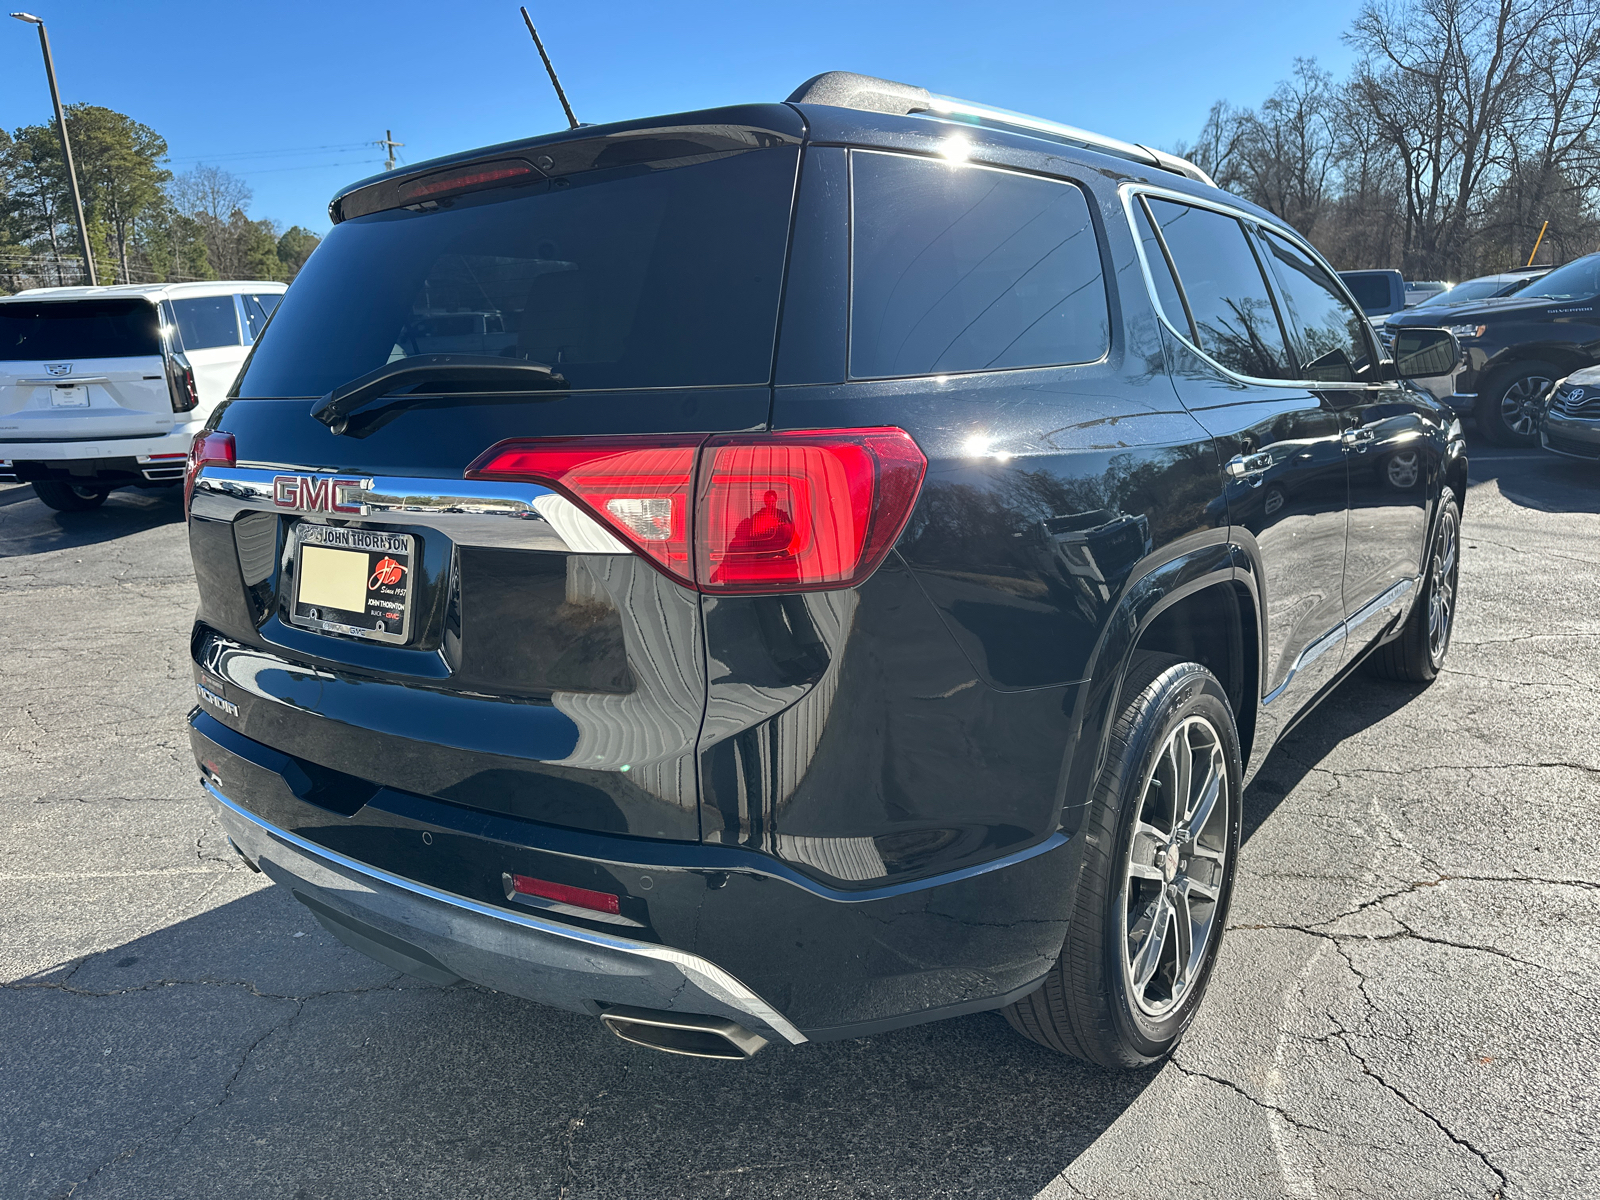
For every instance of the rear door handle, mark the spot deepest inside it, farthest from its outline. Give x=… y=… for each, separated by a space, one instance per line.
x=1248 y=467
x=1357 y=439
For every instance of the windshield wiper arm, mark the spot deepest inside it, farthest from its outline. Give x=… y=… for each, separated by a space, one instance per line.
x=334 y=409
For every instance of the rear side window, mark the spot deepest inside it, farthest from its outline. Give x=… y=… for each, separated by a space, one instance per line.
x=960 y=268
x=1228 y=298
x=617 y=278
x=257 y=308
x=1329 y=336
x=1160 y=270
x=66 y=329
x=205 y=322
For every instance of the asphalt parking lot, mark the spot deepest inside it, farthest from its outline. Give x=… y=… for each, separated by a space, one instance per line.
x=1406 y=1004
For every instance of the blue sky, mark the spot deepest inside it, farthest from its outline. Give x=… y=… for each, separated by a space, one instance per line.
x=290 y=96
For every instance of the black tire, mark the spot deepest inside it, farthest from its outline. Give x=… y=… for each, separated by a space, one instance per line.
x=1510 y=401
x=1089 y=1005
x=71 y=497
x=1417 y=655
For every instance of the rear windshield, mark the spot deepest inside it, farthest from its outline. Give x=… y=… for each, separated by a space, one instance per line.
x=1371 y=291
x=1576 y=281
x=1475 y=289
x=56 y=329
x=623 y=278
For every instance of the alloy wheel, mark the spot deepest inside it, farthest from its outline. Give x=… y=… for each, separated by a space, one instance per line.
x=1520 y=403
x=1172 y=884
x=1443 y=573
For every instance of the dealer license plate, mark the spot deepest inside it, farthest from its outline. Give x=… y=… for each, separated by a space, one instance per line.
x=69 y=397
x=353 y=581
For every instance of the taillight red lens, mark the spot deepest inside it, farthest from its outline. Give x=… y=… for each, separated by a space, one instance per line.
x=739 y=513
x=639 y=487
x=207 y=449
x=562 y=893
x=802 y=511
x=473 y=177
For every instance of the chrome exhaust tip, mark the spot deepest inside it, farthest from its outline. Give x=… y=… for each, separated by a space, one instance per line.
x=682 y=1033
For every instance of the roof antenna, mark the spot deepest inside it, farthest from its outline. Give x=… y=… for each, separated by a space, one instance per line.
x=560 y=95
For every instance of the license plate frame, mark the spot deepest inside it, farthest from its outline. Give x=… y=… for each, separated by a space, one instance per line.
x=75 y=396
x=386 y=598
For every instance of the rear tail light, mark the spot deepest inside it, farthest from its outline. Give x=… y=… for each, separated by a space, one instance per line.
x=736 y=513
x=478 y=176
x=180 y=384
x=207 y=449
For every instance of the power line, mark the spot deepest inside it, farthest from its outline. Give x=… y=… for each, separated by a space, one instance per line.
x=231 y=154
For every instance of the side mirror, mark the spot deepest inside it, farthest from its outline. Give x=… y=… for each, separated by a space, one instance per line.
x=1420 y=353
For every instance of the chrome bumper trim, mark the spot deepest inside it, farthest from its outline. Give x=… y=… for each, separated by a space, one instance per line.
x=1576 y=429
x=327 y=869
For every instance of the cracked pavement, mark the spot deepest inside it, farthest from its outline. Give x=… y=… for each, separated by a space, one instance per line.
x=1406 y=1003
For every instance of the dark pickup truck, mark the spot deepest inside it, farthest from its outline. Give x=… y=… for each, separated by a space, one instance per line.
x=1515 y=348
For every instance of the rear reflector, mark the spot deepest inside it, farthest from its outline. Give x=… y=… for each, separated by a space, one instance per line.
x=776 y=512
x=207 y=450
x=605 y=902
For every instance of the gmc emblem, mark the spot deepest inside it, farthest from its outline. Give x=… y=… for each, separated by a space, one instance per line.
x=320 y=494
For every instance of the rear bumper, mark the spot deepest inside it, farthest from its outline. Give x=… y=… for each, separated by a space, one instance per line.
x=712 y=930
x=156 y=458
x=1570 y=436
x=442 y=938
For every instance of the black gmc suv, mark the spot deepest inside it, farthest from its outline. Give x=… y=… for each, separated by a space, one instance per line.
x=1515 y=348
x=792 y=571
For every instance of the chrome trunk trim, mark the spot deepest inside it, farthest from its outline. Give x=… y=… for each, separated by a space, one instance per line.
x=471 y=512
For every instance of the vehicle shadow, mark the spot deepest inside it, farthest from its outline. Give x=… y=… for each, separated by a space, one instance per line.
x=1358 y=703
x=27 y=526
x=1537 y=478
x=245 y=1047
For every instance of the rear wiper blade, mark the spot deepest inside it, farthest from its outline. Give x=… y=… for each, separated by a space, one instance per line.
x=335 y=409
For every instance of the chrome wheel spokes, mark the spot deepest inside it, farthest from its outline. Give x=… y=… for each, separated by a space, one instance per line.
x=1443 y=573
x=1519 y=406
x=1173 y=881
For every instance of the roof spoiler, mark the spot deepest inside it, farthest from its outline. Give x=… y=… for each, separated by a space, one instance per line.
x=846 y=89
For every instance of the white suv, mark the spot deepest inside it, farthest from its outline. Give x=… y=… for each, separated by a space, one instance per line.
x=104 y=387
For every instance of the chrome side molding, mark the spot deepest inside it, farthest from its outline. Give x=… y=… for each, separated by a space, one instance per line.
x=1346 y=630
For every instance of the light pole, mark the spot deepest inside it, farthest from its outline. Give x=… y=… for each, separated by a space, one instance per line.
x=66 y=146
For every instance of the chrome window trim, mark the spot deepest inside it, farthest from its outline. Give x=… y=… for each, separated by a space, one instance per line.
x=1130 y=192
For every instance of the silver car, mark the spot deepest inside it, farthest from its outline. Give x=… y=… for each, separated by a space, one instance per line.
x=1571 y=423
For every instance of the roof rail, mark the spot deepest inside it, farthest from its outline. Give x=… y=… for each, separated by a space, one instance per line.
x=845 y=89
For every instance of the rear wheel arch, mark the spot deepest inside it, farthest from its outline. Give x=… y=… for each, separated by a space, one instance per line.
x=1205 y=601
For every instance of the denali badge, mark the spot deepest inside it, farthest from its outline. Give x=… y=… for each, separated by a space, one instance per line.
x=58 y=369
x=209 y=697
x=319 y=494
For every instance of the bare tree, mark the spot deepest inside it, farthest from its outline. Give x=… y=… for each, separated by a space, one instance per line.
x=1464 y=126
x=1287 y=149
x=216 y=201
x=1443 y=82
